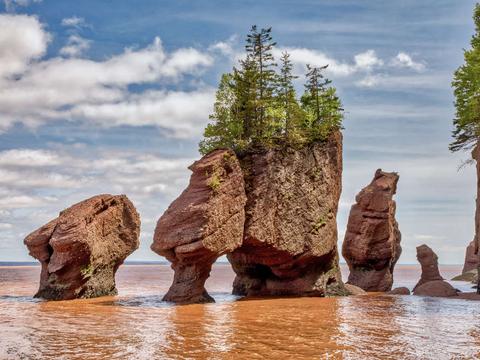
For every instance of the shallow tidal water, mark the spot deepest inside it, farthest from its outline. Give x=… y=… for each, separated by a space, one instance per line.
x=138 y=325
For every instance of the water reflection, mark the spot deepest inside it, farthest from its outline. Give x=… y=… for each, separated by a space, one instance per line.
x=133 y=326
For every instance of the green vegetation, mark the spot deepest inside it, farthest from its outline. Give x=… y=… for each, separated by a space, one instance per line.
x=256 y=104
x=466 y=84
x=87 y=271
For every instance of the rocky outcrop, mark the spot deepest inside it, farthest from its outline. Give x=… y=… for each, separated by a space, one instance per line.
x=476 y=157
x=290 y=235
x=429 y=262
x=471 y=258
x=436 y=288
x=372 y=240
x=354 y=290
x=81 y=250
x=399 y=291
x=203 y=223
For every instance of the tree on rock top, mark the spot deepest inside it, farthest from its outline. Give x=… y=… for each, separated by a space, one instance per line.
x=466 y=84
x=256 y=105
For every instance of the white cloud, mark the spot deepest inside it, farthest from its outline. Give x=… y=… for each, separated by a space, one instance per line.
x=76 y=45
x=367 y=60
x=22 y=40
x=5 y=226
x=29 y=157
x=73 y=21
x=72 y=88
x=10 y=5
x=403 y=60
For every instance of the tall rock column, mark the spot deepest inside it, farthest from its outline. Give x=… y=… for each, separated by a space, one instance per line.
x=372 y=240
x=81 y=250
x=290 y=238
x=203 y=223
x=476 y=157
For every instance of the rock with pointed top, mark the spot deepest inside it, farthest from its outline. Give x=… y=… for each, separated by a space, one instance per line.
x=429 y=262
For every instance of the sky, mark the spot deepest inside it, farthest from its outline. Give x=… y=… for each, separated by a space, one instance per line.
x=112 y=97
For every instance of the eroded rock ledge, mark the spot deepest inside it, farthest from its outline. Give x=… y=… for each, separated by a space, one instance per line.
x=372 y=241
x=81 y=250
x=273 y=212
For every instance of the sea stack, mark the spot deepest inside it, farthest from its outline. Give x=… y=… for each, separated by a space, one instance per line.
x=203 y=223
x=290 y=238
x=476 y=157
x=429 y=262
x=81 y=250
x=471 y=258
x=372 y=240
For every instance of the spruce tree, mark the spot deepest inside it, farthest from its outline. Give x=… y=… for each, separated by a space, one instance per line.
x=286 y=92
x=259 y=50
x=466 y=84
x=315 y=87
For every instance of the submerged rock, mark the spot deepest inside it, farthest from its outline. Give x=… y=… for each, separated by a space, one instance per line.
x=290 y=235
x=203 y=223
x=354 y=290
x=436 y=288
x=81 y=250
x=372 y=240
x=399 y=291
x=429 y=262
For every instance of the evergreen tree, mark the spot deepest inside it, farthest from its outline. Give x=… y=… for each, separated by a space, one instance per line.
x=286 y=92
x=226 y=129
x=466 y=84
x=259 y=50
x=315 y=87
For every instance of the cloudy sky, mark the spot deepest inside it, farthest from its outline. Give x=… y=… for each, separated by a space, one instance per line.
x=111 y=97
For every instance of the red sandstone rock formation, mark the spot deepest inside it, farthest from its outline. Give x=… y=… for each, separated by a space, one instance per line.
x=290 y=238
x=81 y=250
x=429 y=262
x=203 y=223
x=399 y=291
x=476 y=157
x=435 y=288
x=471 y=258
x=372 y=241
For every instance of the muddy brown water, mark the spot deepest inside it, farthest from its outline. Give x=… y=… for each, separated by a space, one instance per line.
x=138 y=325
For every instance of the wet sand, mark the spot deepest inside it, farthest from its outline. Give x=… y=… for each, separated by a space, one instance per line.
x=138 y=325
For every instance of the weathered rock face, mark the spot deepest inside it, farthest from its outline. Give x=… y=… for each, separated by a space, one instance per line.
x=429 y=262
x=81 y=250
x=436 y=288
x=372 y=241
x=471 y=258
x=290 y=235
x=205 y=222
x=476 y=157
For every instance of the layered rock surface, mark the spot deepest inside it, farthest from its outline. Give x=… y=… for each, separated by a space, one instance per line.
x=81 y=250
x=372 y=240
x=471 y=257
x=203 y=223
x=290 y=235
x=429 y=262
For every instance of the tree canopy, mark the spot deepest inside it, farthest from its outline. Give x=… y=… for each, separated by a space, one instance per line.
x=256 y=105
x=466 y=84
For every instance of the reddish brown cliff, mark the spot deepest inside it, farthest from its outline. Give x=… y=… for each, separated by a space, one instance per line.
x=372 y=240
x=81 y=250
x=203 y=223
x=290 y=238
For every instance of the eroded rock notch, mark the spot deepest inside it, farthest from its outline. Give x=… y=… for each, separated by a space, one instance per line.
x=81 y=250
